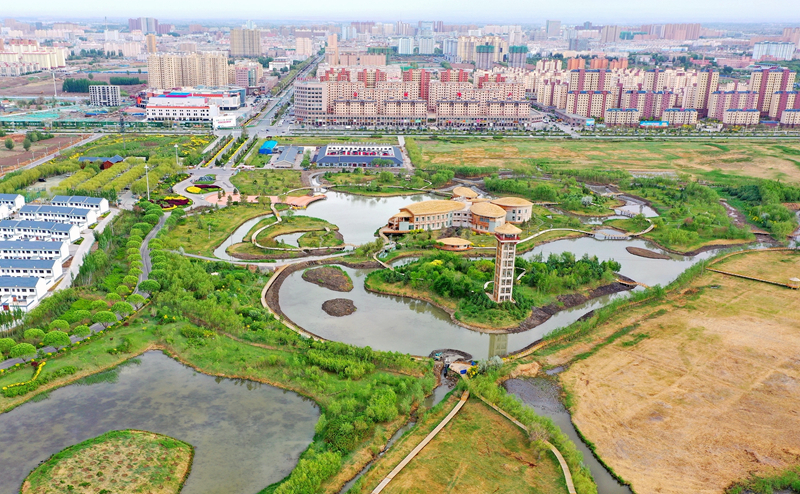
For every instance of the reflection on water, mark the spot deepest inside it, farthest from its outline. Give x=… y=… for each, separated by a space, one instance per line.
x=405 y=325
x=498 y=345
x=359 y=217
x=541 y=395
x=246 y=435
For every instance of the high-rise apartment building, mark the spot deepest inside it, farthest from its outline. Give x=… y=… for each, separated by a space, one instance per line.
x=769 y=81
x=427 y=45
x=143 y=24
x=610 y=34
x=681 y=32
x=517 y=56
x=405 y=46
x=151 y=42
x=771 y=50
x=104 y=95
x=792 y=35
x=304 y=47
x=468 y=48
x=553 y=29
x=245 y=42
x=169 y=70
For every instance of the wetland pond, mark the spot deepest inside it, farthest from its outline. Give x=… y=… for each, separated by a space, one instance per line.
x=406 y=325
x=246 y=435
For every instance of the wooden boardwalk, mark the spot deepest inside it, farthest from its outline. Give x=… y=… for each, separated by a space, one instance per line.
x=752 y=278
x=422 y=444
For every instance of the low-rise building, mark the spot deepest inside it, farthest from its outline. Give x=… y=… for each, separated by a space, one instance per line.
x=39 y=230
x=790 y=118
x=625 y=117
x=59 y=214
x=479 y=214
x=518 y=210
x=185 y=109
x=680 y=116
x=22 y=293
x=359 y=155
x=33 y=249
x=99 y=204
x=13 y=201
x=49 y=269
x=741 y=117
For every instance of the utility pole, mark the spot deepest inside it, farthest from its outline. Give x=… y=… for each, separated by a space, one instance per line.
x=122 y=129
x=147 y=179
x=177 y=165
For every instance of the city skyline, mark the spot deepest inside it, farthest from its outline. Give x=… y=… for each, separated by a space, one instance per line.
x=617 y=11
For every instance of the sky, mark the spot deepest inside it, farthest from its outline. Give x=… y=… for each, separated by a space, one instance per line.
x=449 y=11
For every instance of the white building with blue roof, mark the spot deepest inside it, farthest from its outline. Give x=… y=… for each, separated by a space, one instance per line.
x=60 y=214
x=49 y=269
x=13 y=201
x=22 y=293
x=98 y=204
x=39 y=230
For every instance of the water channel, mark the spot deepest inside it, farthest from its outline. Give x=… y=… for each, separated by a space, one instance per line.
x=542 y=395
x=246 y=435
x=402 y=324
x=237 y=237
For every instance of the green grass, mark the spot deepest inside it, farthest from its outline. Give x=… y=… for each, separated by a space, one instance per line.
x=291 y=224
x=267 y=182
x=192 y=233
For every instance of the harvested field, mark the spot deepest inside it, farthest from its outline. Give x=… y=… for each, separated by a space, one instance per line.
x=330 y=277
x=760 y=159
x=479 y=451
x=777 y=266
x=699 y=390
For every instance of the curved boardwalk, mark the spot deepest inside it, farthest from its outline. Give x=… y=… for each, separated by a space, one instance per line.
x=422 y=444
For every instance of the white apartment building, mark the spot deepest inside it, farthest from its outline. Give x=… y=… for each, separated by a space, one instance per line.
x=188 y=109
x=34 y=249
x=103 y=95
x=59 y=214
x=13 y=201
x=23 y=293
x=39 y=230
x=49 y=269
x=98 y=204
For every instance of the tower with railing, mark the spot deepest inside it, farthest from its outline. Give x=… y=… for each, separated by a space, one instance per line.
x=507 y=236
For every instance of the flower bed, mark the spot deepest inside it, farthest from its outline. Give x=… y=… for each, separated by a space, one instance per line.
x=171 y=202
x=200 y=188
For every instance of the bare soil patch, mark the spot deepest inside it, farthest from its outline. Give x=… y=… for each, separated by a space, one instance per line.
x=329 y=277
x=339 y=307
x=649 y=254
x=703 y=388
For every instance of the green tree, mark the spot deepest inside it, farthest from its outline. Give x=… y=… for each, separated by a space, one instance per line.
x=56 y=339
x=82 y=315
x=150 y=286
x=136 y=300
x=59 y=324
x=82 y=330
x=99 y=305
x=26 y=144
x=9 y=144
x=122 y=308
x=6 y=344
x=104 y=317
x=22 y=350
x=34 y=334
x=113 y=297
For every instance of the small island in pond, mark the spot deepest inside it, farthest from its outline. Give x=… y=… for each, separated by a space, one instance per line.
x=330 y=277
x=459 y=286
x=339 y=307
x=117 y=461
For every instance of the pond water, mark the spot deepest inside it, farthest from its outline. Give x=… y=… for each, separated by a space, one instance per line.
x=405 y=325
x=542 y=395
x=246 y=435
x=290 y=239
x=237 y=237
x=359 y=217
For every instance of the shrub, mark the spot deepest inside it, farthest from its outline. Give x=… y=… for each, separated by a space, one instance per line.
x=193 y=332
x=56 y=339
x=82 y=330
x=81 y=315
x=33 y=334
x=59 y=324
x=22 y=350
x=151 y=219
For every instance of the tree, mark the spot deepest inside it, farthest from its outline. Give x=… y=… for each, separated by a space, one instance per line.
x=149 y=286
x=33 y=334
x=123 y=290
x=6 y=344
x=99 y=305
x=9 y=144
x=130 y=280
x=136 y=300
x=90 y=76
x=82 y=330
x=22 y=350
x=82 y=315
x=122 y=308
x=113 y=297
x=56 y=339
x=59 y=324
x=104 y=317
x=26 y=144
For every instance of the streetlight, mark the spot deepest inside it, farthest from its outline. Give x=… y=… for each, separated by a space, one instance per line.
x=147 y=179
x=176 y=156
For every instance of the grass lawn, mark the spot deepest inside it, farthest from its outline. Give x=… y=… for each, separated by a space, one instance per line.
x=267 y=182
x=776 y=266
x=685 y=374
x=291 y=224
x=478 y=451
x=125 y=461
x=160 y=146
x=192 y=233
x=752 y=158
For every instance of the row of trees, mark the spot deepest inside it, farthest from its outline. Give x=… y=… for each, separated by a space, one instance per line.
x=79 y=85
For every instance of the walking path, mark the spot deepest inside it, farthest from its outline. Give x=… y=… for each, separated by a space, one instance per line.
x=424 y=443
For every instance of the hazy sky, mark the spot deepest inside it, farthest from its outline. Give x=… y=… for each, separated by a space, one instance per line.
x=506 y=11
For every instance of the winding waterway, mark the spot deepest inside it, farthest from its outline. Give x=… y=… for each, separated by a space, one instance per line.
x=246 y=435
x=237 y=237
x=405 y=325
